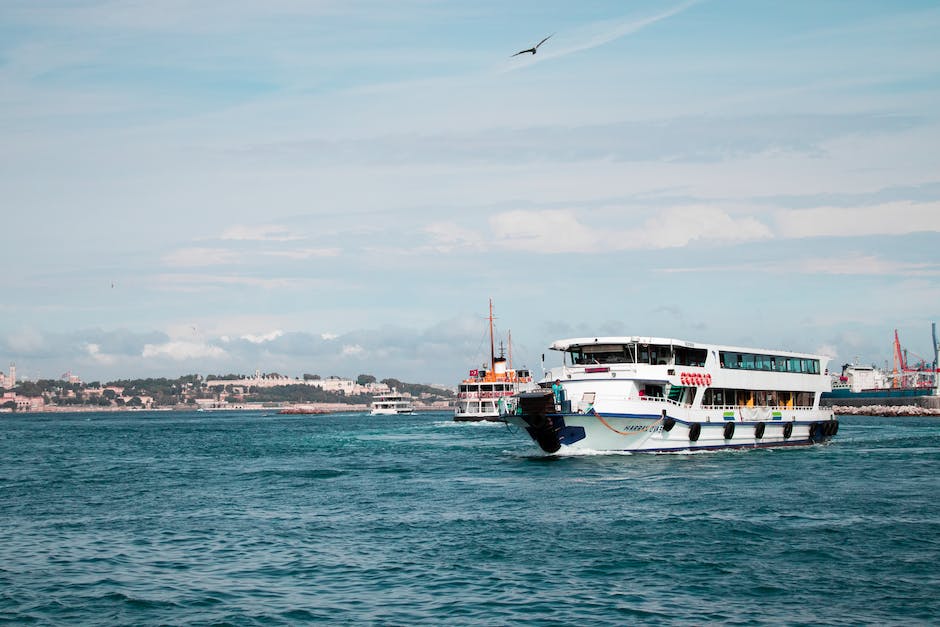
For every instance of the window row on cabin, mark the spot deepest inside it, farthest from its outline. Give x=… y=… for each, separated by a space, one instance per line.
x=487 y=387
x=756 y=398
x=770 y=363
x=654 y=354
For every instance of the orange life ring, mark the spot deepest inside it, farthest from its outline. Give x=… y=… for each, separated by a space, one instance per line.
x=684 y=378
x=708 y=379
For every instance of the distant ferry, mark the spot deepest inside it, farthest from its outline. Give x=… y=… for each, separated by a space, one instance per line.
x=486 y=394
x=391 y=404
x=650 y=394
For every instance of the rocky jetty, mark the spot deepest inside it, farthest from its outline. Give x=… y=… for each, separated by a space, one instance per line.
x=885 y=410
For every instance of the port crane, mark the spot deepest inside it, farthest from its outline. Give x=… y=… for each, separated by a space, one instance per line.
x=919 y=375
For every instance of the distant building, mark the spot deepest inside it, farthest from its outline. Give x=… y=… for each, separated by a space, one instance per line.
x=330 y=384
x=68 y=377
x=8 y=382
x=23 y=403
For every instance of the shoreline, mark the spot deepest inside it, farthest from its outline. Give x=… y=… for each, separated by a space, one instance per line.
x=299 y=409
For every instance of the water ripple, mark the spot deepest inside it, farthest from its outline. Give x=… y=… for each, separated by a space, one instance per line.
x=283 y=520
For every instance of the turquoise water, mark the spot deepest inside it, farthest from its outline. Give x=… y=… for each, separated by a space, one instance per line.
x=245 y=518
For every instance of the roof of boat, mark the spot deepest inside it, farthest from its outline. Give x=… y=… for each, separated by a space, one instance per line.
x=563 y=345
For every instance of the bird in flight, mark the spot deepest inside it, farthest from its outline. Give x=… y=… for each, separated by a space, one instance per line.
x=533 y=49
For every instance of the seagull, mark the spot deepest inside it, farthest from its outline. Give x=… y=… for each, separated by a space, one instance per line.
x=532 y=50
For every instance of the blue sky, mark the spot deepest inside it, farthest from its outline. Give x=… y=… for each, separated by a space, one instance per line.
x=338 y=187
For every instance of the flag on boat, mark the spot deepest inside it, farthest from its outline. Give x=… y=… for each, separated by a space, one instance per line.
x=474 y=373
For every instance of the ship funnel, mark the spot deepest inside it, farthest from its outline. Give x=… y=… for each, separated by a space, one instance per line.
x=499 y=366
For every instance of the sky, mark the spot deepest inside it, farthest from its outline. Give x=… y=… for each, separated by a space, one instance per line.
x=338 y=187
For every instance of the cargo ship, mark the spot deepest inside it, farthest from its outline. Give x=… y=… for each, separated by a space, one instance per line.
x=907 y=381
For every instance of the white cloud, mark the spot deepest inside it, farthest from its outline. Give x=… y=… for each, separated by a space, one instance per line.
x=25 y=341
x=678 y=227
x=328 y=336
x=353 y=350
x=552 y=231
x=894 y=218
x=448 y=236
x=262 y=338
x=200 y=282
x=558 y=231
x=305 y=253
x=188 y=257
x=180 y=350
x=860 y=265
x=262 y=233
x=865 y=265
x=94 y=351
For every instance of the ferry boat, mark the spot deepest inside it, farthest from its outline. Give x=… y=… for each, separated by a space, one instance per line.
x=391 y=404
x=487 y=394
x=649 y=394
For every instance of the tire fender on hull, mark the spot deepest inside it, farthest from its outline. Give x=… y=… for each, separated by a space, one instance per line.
x=728 y=431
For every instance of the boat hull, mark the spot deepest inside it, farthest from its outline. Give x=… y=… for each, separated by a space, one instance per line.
x=666 y=431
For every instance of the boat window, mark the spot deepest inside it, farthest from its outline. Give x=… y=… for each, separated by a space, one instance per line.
x=718 y=397
x=600 y=354
x=660 y=355
x=769 y=363
x=690 y=356
x=652 y=390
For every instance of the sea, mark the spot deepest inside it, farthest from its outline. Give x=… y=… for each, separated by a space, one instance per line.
x=253 y=518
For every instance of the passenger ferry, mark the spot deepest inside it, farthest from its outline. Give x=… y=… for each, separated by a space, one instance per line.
x=391 y=404
x=487 y=394
x=666 y=395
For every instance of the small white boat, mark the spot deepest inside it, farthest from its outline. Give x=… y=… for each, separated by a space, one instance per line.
x=390 y=405
x=650 y=394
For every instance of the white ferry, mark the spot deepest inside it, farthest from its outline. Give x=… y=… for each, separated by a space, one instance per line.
x=666 y=395
x=487 y=394
x=391 y=404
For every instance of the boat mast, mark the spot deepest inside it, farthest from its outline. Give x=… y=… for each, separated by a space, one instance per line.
x=492 y=347
x=513 y=372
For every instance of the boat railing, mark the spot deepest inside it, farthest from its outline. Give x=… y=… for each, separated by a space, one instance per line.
x=664 y=399
x=475 y=395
